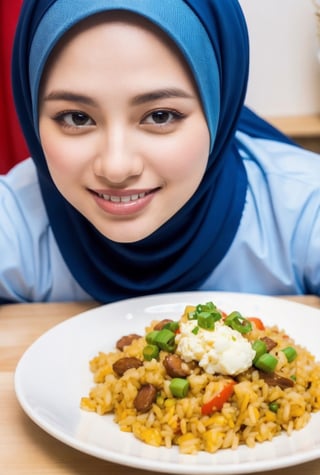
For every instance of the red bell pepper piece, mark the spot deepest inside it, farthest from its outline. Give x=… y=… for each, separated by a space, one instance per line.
x=216 y=403
x=258 y=323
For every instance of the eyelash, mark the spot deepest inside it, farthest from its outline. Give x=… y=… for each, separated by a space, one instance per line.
x=176 y=116
x=61 y=118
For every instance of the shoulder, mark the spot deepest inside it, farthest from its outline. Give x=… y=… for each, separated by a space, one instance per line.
x=279 y=161
x=283 y=182
x=31 y=265
x=277 y=247
x=21 y=174
x=23 y=210
x=23 y=227
x=20 y=185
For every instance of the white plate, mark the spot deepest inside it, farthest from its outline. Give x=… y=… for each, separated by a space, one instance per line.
x=53 y=374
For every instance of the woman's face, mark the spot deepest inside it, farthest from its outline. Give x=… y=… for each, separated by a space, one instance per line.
x=122 y=128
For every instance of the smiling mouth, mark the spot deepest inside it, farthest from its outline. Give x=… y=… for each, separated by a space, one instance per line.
x=125 y=198
x=122 y=199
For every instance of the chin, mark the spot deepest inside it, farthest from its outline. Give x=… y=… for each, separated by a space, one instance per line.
x=127 y=232
x=124 y=237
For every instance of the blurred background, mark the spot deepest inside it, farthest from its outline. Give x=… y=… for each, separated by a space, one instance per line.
x=12 y=144
x=284 y=82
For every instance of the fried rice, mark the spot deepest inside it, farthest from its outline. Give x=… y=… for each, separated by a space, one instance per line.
x=257 y=410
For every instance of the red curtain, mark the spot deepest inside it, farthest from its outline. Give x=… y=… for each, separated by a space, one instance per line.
x=13 y=148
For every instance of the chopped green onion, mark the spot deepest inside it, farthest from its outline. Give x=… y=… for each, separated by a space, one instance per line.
x=165 y=340
x=192 y=315
x=179 y=387
x=151 y=337
x=200 y=308
x=207 y=307
x=195 y=331
x=274 y=406
x=290 y=353
x=206 y=320
x=173 y=326
x=260 y=348
x=237 y=322
x=150 y=351
x=293 y=377
x=206 y=315
x=266 y=362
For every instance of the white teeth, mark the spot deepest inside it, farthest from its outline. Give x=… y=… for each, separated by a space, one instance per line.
x=125 y=199
x=115 y=199
x=122 y=199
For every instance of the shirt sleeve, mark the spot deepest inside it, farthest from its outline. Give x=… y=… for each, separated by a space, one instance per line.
x=31 y=266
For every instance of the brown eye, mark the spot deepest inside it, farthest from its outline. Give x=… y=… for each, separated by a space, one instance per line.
x=161 y=117
x=78 y=119
x=74 y=119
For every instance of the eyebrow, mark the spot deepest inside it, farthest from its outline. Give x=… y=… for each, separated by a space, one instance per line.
x=136 y=100
x=160 y=94
x=70 y=96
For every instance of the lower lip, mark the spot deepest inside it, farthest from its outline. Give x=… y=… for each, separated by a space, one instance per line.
x=124 y=209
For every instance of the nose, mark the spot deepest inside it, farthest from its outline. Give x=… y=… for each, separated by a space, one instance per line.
x=117 y=158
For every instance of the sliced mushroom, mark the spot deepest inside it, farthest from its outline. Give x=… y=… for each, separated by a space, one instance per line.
x=126 y=340
x=273 y=379
x=269 y=342
x=175 y=366
x=123 y=364
x=145 y=398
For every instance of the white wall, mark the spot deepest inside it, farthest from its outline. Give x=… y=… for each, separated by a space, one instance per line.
x=285 y=70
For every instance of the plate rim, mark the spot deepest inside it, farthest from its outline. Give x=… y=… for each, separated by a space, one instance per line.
x=147 y=464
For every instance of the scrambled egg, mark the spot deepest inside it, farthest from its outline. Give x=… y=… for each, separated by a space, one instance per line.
x=223 y=350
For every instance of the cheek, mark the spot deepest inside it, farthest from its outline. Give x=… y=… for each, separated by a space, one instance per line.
x=64 y=157
x=188 y=158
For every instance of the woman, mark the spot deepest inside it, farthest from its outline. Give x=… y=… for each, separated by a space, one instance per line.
x=147 y=173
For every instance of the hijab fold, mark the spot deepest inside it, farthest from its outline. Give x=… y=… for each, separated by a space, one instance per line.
x=187 y=248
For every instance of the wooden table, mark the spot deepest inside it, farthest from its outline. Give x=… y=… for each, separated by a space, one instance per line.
x=27 y=449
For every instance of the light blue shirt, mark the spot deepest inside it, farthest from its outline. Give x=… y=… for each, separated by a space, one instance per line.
x=276 y=249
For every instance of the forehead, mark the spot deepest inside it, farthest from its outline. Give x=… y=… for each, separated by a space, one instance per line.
x=117 y=28
x=110 y=51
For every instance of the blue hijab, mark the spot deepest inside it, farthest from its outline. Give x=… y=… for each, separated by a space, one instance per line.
x=212 y=36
